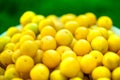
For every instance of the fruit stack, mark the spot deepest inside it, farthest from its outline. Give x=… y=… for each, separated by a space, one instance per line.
x=66 y=48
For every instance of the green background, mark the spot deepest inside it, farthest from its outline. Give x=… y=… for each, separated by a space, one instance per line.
x=11 y=10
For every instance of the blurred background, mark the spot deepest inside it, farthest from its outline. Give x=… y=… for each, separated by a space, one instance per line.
x=11 y=10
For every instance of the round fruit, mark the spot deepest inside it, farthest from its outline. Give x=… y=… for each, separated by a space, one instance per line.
x=81 y=33
x=15 y=38
x=24 y=64
x=70 y=67
x=83 y=20
x=25 y=38
x=29 y=48
x=67 y=54
x=92 y=18
x=105 y=21
x=29 y=32
x=39 y=72
x=104 y=32
x=58 y=25
x=111 y=60
x=62 y=49
x=67 y=17
x=116 y=73
x=97 y=55
x=97 y=44
x=10 y=66
x=38 y=56
x=71 y=26
x=45 y=22
x=48 y=30
x=114 y=43
x=82 y=47
x=56 y=75
x=72 y=43
x=6 y=57
x=52 y=17
x=26 y=17
x=31 y=26
x=3 y=41
x=100 y=72
x=87 y=63
x=48 y=42
x=37 y=18
x=92 y=34
x=64 y=37
x=51 y=58
x=11 y=73
x=15 y=55
x=11 y=31
x=9 y=46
